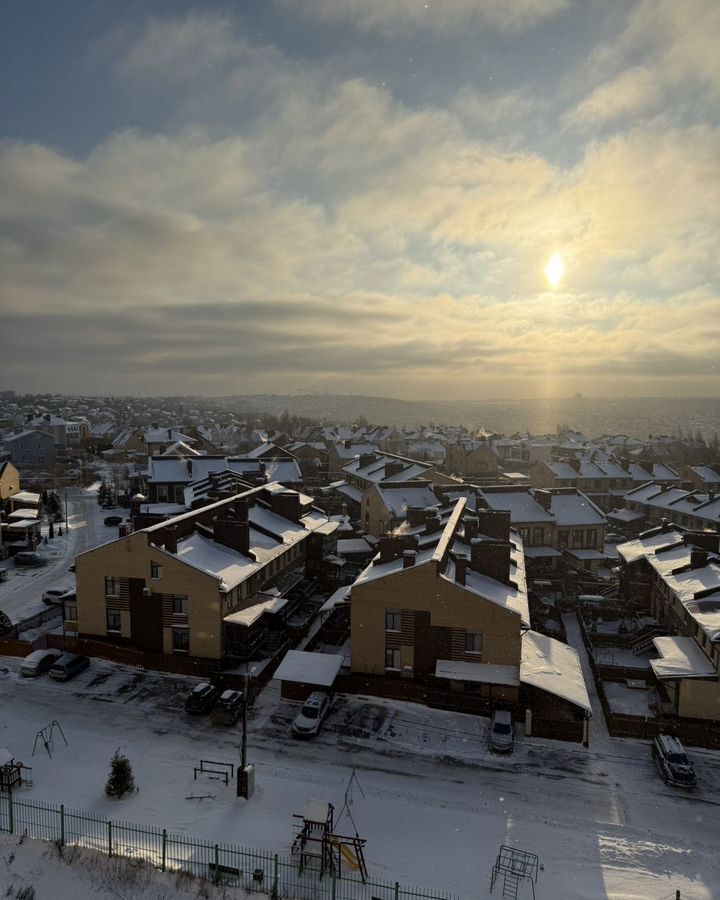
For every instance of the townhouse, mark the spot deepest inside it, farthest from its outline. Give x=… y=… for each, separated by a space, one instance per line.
x=214 y=584
x=601 y=478
x=651 y=503
x=472 y=459
x=679 y=572
x=445 y=609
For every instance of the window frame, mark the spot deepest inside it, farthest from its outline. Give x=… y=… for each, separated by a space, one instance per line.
x=390 y=615
x=114 y=613
x=477 y=636
x=175 y=631
x=393 y=654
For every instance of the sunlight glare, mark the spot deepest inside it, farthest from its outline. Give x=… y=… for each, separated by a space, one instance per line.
x=555 y=269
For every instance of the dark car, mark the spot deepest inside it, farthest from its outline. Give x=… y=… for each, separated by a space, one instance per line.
x=113 y=520
x=30 y=558
x=68 y=666
x=228 y=708
x=672 y=761
x=202 y=698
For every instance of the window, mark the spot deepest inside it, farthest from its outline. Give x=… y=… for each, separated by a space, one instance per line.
x=180 y=604
x=155 y=570
x=537 y=537
x=70 y=613
x=392 y=658
x=162 y=493
x=562 y=539
x=473 y=641
x=181 y=640
x=112 y=587
x=578 y=537
x=392 y=620
x=590 y=538
x=113 y=620
x=525 y=535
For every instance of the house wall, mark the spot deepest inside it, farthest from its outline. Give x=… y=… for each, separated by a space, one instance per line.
x=9 y=481
x=699 y=699
x=449 y=607
x=130 y=558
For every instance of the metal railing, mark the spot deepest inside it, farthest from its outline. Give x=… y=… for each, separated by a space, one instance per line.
x=255 y=870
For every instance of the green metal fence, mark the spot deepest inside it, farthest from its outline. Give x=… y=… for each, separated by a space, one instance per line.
x=255 y=870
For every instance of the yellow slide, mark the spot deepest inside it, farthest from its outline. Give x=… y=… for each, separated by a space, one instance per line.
x=350 y=857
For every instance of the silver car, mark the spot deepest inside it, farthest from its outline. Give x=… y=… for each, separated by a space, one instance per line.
x=502 y=732
x=308 y=721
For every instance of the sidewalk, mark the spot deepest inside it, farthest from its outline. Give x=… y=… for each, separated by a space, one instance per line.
x=599 y=735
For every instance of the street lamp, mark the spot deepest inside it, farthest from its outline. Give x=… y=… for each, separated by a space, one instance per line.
x=66 y=515
x=246 y=773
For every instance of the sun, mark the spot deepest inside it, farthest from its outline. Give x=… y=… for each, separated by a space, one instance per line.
x=555 y=269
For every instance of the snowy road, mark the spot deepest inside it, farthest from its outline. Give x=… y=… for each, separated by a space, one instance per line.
x=437 y=804
x=21 y=594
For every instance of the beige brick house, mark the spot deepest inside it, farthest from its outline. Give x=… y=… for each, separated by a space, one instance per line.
x=210 y=584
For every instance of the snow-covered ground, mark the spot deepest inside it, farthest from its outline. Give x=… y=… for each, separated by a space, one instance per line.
x=628 y=701
x=437 y=804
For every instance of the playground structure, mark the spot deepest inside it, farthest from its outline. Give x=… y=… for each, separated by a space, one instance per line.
x=314 y=840
x=215 y=771
x=12 y=772
x=46 y=736
x=514 y=865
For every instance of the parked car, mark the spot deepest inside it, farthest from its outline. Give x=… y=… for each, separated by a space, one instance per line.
x=30 y=558
x=672 y=761
x=228 y=708
x=55 y=596
x=502 y=732
x=68 y=666
x=5 y=623
x=308 y=721
x=38 y=662
x=3 y=573
x=113 y=520
x=614 y=538
x=202 y=698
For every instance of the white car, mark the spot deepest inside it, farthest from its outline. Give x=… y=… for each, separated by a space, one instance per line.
x=502 y=732
x=54 y=596
x=308 y=721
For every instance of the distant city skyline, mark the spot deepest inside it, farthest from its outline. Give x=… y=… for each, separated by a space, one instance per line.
x=420 y=200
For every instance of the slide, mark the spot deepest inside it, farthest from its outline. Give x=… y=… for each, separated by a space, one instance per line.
x=350 y=857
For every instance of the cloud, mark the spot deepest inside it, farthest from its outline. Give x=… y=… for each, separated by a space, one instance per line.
x=340 y=234
x=635 y=91
x=405 y=17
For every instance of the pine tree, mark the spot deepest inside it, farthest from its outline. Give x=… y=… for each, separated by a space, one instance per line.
x=121 y=780
x=51 y=530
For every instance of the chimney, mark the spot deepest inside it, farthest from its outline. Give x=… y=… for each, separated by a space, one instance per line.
x=491 y=558
x=432 y=521
x=366 y=459
x=343 y=508
x=544 y=498
x=347 y=443
x=286 y=504
x=241 y=509
x=575 y=463
x=461 y=564
x=188 y=467
x=170 y=539
x=235 y=535
x=471 y=528
x=664 y=525
x=698 y=558
x=409 y=558
x=494 y=523
x=415 y=516
x=393 y=467
x=169 y=431
x=392 y=547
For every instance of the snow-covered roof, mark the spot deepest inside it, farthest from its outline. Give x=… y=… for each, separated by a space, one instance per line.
x=586 y=554
x=201 y=553
x=553 y=667
x=541 y=552
x=398 y=499
x=575 y=509
x=624 y=515
x=483 y=673
x=352 y=493
x=353 y=545
x=24 y=513
x=631 y=551
x=681 y=658
x=521 y=505
x=251 y=614
x=310 y=668
x=339 y=598
x=25 y=497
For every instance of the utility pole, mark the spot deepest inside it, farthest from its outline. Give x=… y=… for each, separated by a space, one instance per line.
x=66 y=515
x=246 y=773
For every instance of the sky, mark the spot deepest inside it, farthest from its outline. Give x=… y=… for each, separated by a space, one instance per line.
x=360 y=196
